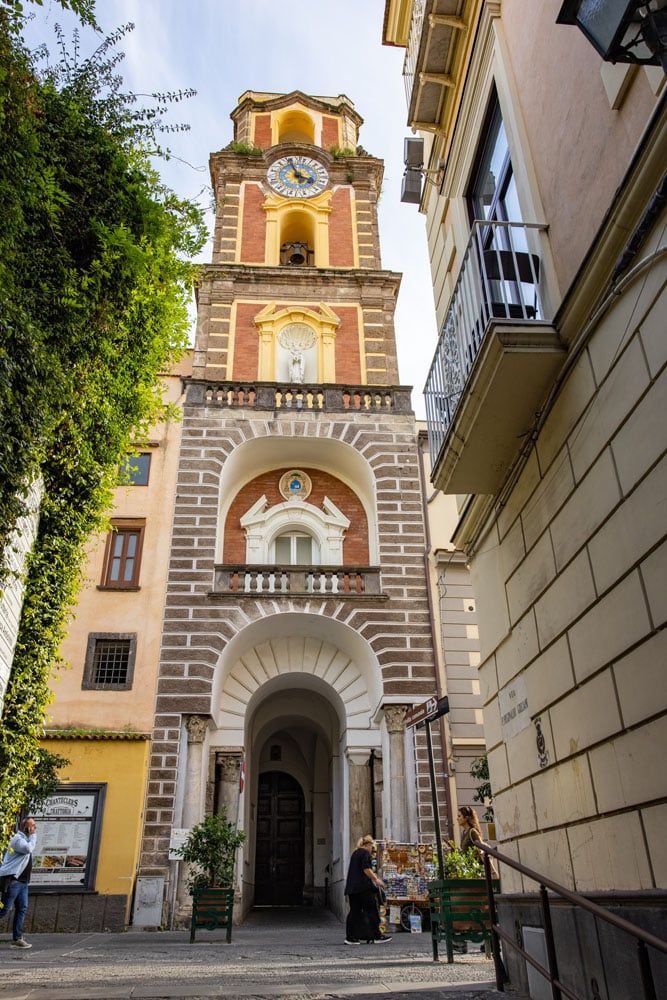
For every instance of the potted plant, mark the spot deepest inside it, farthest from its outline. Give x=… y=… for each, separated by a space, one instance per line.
x=210 y=849
x=458 y=904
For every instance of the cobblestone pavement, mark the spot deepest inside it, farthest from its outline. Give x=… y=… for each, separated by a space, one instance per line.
x=280 y=953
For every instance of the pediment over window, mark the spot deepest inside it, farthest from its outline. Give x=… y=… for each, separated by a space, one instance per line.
x=263 y=525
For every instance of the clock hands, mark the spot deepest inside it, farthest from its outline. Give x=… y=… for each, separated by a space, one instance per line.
x=299 y=175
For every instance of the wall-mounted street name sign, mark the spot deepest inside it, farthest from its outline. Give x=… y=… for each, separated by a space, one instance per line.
x=428 y=711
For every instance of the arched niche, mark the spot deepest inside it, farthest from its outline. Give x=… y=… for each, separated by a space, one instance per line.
x=296 y=228
x=294 y=125
x=252 y=458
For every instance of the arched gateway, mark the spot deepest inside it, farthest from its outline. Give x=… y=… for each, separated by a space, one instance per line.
x=297 y=623
x=299 y=694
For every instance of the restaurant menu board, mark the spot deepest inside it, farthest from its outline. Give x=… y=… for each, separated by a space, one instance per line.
x=65 y=839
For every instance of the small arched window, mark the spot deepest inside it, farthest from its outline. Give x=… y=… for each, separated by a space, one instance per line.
x=296 y=548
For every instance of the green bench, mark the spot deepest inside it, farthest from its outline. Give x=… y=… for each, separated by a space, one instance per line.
x=459 y=912
x=211 y=909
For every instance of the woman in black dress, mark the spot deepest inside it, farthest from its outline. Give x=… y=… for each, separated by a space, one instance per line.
x=362 y=888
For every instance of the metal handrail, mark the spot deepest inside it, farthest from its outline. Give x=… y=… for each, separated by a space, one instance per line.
x=644 y=939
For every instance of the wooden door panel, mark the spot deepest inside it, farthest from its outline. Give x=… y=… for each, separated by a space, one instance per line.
x=279 y=857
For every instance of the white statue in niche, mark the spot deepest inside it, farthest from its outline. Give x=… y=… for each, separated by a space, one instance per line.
x=296 y=339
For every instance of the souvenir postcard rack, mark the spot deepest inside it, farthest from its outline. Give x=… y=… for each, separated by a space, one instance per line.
x=406 y=870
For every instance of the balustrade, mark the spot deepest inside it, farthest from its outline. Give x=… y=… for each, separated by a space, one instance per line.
x=315 y=398
x=244 y=580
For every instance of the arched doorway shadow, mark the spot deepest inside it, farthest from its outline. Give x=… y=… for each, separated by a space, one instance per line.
x=279 y=840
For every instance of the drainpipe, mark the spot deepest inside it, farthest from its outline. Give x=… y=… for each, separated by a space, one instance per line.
x=431 y=613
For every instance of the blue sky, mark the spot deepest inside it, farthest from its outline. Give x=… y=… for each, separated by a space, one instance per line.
x=224 y=47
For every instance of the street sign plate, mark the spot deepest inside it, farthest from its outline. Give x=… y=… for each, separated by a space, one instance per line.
x=428 y=711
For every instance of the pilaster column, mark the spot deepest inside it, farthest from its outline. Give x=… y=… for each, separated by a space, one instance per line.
x=394 y=716
x=196 y=726
x=228 y=766
x=360 y=794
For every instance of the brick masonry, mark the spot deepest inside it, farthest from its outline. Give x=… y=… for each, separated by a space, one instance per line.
x=197 y=630
x=355 y=545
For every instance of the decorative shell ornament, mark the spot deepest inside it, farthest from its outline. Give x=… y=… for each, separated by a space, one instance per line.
x=297 y=338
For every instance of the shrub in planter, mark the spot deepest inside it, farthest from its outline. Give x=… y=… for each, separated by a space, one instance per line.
x=463 y=864
x=211 y=849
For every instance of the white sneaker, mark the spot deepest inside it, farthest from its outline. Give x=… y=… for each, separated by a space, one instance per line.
x=21 y=943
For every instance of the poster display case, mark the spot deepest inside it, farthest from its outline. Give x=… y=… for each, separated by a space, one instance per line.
x=68 y=835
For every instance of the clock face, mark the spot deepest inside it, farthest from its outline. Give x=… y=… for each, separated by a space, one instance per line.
x=297 y=177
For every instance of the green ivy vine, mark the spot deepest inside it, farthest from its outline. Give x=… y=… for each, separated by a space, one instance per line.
x=94 y=285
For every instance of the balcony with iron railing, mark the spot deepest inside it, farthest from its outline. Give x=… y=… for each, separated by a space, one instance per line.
x=435 y=27
x=348 y=582
x=496 y=355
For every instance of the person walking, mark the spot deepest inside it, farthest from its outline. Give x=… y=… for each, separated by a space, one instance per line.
x=362 y=888
x=15 y=872
x=471 y=833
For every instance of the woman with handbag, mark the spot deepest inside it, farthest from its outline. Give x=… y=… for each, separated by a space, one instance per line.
x=362 y=888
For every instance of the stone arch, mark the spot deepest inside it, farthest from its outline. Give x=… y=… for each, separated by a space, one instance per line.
x=328 y=657
x=253 y=457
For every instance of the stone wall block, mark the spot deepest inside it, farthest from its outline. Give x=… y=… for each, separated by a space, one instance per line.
x=638 y=524
x=612 y=625
x=609 y=853
x=629 y=770
x=596 y=495
x=614 y=400
x=641 y=680
x=568 y=596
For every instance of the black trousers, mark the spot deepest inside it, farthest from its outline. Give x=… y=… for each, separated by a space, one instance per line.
x=363 y=920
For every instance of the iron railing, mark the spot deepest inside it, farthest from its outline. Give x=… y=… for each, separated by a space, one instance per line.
x=643 y=939
x=499 y=280
x=272 y=581
x=412 y=48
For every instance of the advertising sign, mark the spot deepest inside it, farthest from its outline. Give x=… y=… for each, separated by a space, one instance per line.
x=67 y=839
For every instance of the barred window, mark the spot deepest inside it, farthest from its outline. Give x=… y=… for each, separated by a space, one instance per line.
x=110 y=660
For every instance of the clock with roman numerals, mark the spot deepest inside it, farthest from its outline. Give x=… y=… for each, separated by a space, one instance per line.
x=297 y=176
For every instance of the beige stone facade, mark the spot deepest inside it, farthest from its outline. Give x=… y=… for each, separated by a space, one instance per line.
x=546 y=418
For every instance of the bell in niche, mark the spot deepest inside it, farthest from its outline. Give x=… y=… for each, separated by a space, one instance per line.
x=297 y=257
x=295 y=254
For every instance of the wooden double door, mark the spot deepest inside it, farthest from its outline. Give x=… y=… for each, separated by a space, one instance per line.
x=280 y=850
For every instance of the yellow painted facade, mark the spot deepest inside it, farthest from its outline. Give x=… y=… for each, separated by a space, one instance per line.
x=120 y=764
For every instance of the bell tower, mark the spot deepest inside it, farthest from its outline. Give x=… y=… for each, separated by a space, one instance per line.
x=297 y=626
x=296 y=293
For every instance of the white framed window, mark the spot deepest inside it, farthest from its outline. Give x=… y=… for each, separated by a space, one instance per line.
x=295 y=548
x=294 y=533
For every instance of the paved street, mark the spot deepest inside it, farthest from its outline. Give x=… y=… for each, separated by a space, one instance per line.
x=285 y=953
